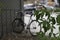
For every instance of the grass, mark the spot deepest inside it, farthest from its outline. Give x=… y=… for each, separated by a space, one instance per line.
x=44 y=37
x=48 y=38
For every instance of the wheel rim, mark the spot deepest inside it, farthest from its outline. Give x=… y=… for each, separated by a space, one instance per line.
x=18 y=26
x=34 y=28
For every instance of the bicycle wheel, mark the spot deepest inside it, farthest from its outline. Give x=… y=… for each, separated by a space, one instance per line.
x=34 y=28
x=18 y=25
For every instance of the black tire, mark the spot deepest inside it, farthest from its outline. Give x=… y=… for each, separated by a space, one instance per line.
x=18 y=25
x=31 y=28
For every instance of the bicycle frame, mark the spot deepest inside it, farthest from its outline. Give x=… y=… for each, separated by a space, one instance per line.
x=27 y=20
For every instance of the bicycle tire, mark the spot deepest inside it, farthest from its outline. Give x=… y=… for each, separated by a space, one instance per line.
x=18 y=25
x=31 y=28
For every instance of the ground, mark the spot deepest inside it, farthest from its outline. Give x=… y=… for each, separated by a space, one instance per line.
x=16 y=36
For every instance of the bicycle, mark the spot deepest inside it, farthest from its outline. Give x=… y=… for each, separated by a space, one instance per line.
x=33 y=26
x=18 y=25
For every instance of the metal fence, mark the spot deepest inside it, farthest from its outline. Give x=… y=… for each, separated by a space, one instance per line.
x=6 y=18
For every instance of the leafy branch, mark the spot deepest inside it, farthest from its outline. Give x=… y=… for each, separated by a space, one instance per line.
x=47 y=24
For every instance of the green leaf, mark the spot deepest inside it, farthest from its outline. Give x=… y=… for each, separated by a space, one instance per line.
x=54 y=35
x=53 y=20
x=50 y=34
x=54 y=27
x=48 y=14
x=37 y=17
x=59 y=28
x=42 y=14
x=46 y=26
x=36 y=12
x=58 y=19
x=51 y=30
x=40 y=34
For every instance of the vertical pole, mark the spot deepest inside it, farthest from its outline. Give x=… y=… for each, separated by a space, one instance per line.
x=22 y=9
x=21 y=5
